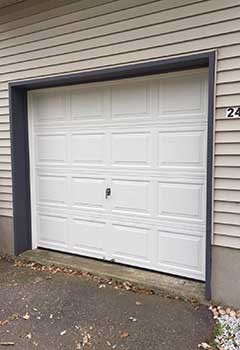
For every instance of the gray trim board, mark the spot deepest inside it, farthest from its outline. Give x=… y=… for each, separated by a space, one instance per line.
x=19 y=134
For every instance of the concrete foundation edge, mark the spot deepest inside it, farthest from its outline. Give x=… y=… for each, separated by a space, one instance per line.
x=160 y=283
x=6 y=236
x=226 y=276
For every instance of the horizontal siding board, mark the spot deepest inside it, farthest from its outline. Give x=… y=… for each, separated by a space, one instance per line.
x=227 y=207
x=229 y=51
x=230 y=100
x=227 y=184
x=134 y=17
x=227 y=195
x=4 y=110
x=5 y=174
x=6 y=197
x=229 y=76
x=5 y=167
x=231 y=160
x=3 y=102
x=5 y=204
x=4 y=93
x=133 y=52
x=227 y=218
x=59 y=54
x=227 y=137
x=5 y=135
x=228 y=64
x=6 y=190
x=145 y=35
x=231 y=230
x=6 y=212
x=227 y=173
x=5 y=151
x=5 y=159
x=227 y=125
x=228 y=148
x=55 y=12
x=229 y=88
x=4 y=118
x=6 y=183
x=101 y=13
x=4 y=126
x=97 y=29
x=30 y=8
x=5 y=143
x=227 y=241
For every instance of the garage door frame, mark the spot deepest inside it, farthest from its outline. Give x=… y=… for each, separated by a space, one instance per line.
x=20 y=146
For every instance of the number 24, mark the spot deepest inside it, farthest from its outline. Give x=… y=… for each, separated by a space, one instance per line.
x=233 y=112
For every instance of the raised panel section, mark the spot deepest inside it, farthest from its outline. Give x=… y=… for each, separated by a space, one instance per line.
x=131 y=149
x=180 y=253
x=88 y=237
x=50 y=107
x=51 y=148
x=130 y=243
x=131 y=196
x=180 y=95
x=88 y=149
x=52 y=190
x=88 y=192
x=130 y=100
x=87 y=103
x=180 y=201
x=181 y=149
x=52 y=231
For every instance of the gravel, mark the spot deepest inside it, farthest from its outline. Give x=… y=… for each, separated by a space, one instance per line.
x=227 y=333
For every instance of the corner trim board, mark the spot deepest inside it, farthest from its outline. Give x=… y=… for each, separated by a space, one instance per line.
x=20 y=144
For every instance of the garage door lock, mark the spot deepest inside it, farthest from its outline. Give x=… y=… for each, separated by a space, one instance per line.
x=108 y=192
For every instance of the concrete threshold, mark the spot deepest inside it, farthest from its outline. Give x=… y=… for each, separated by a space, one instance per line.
x=160 y=283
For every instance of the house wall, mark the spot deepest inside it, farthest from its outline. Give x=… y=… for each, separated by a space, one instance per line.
x=64 y=36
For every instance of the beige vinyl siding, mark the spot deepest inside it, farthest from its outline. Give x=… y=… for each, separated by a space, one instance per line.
x=55 y=39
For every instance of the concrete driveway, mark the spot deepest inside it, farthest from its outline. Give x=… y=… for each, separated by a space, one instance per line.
x=46 y=310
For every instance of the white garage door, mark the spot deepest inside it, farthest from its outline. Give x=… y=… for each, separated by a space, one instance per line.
x=118 y=171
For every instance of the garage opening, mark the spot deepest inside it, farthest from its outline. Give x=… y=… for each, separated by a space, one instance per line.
x=118 y=170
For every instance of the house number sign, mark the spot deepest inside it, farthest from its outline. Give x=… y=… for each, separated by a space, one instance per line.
x=232 y=112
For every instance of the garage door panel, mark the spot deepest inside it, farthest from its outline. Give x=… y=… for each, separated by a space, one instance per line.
x=88 y=237
x=180 y=201
x=51 y=148
x=145 y=139
x=88 y=193
x=130 y=243
x=52 y=190
x=87 y=103
x=88 y=148
x=130 y=100
x=181 y=253
x=52 y=231
x=181 y=149
x=131 y=149
x=182 y=95
x=50 y=107
x=131 y=196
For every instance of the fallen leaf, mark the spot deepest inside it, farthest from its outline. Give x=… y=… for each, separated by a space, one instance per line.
x=132 y=319
x=124 y=335
x=26 y=316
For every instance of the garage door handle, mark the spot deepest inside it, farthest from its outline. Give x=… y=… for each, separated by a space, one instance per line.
x=108 y=192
